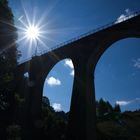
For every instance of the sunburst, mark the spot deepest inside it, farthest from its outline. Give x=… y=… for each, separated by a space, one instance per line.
x=31 y=32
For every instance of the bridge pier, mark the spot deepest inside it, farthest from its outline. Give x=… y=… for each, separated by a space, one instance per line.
x=22 y=89
x=82 y=118
x=35 y=85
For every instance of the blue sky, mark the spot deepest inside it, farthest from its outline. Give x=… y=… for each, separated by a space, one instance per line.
x=117 y=74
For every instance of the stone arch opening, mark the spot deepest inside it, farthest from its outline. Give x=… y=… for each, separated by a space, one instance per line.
x=117 y=78
x=57 y=92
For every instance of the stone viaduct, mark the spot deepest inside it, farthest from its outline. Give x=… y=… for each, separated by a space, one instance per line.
x=84 y=53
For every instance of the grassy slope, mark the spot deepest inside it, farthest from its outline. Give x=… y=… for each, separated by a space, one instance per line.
x=119 y=126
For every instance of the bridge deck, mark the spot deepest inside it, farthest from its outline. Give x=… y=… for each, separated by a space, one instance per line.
x=127 y=17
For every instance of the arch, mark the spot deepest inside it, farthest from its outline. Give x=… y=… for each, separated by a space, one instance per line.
x=57 y=88
x=128 y=86
x=107 y=42
x=38 y=71
x=127 y=64
x=54 y=79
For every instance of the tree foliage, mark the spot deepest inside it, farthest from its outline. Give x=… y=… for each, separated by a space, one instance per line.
x=8 y=54
x=8 y=62
x=104 y=107
x=53 y=122
x=117 y=108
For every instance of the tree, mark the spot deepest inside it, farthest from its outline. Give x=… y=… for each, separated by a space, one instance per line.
x=8 y=54
x=117 y=108
x=52 y=122
x=8 y=62
x=110 y=108
x=45 y=101
x=102 y=107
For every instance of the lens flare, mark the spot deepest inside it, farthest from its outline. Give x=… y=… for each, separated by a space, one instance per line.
x=32 y=32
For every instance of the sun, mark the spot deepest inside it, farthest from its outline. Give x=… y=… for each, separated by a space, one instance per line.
x=32 y=32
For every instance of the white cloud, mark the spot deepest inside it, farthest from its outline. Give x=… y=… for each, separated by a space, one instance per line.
x=57 y=106
x=128 y=14
x=121 y=18
x=69 y=63
x=123 y=103
x=51 y=81
x=72 y=73
x=137 y=63
x=137 y=99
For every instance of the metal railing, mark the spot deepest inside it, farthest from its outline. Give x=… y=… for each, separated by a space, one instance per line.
x=119 y=20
